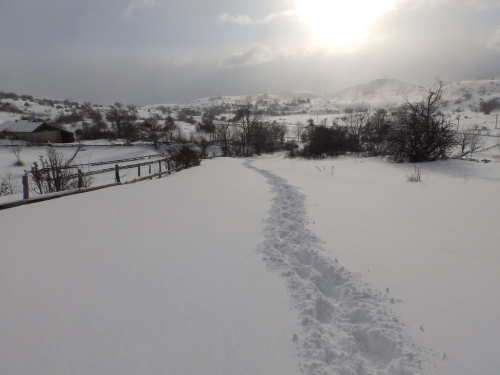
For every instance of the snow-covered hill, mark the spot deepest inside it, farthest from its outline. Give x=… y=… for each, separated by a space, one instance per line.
x=380 y=92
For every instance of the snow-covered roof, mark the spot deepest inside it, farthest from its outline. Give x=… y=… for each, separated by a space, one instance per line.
x=19 y=126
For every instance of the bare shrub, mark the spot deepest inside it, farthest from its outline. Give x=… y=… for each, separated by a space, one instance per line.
x=72 y=117
x=8 y=185
x=415 y=175
x=326 y=171
x=470 y=138
x=420 y=131
x=486 y=106
x=16 y=150
x=201 y=141
x=184 y=157
x=55 y=173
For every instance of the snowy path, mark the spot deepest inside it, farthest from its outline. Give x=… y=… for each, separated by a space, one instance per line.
x=346 y=328
x=160 y=277
x=210 y=272
x=431 y=246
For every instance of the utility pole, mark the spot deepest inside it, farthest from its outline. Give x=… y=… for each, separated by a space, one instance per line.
x=458 y=124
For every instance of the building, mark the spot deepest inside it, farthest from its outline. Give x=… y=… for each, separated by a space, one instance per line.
x=35 y=132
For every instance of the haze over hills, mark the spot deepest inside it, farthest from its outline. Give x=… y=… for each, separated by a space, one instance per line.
x=379 y=91
x=384 y=93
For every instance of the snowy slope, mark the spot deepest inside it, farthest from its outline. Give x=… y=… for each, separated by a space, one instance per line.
x=378 y=92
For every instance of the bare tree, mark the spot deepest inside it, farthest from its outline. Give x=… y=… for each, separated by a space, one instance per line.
x=162 y=109
x=470 y=138
x=420 y=131
x=223 y=136
x=201 y=140
x=16 y=150
x=169 y=128
x=374 y=132
x=122 y=122
x=298 y=129
x=276 y=135
x=354 y=120
x=152 y=130
x=250 y=124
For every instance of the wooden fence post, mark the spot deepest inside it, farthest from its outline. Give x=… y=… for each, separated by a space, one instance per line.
x=168 y=166
x=26 y=187
x=138 y=171
x=80 y=179
x=150 y=171
x=117 y=173
x=159 y=163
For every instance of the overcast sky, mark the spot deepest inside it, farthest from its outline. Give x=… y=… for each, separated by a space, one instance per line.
x=170 y=51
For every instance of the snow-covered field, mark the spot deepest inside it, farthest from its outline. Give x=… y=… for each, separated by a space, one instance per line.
x=263 y=265
x=85 y=156
x=431 y=246
x=259 y=266
x=161 y=277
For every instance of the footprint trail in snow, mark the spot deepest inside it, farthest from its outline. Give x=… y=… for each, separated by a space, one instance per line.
x=347 y=328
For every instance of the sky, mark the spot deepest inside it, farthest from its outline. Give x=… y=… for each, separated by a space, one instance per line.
x=171 y=51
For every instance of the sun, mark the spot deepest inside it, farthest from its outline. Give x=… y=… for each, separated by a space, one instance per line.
x=341 y=23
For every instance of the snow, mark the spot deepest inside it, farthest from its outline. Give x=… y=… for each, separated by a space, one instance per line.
x=347 y=326
x=22 y=126
x=89 y=154
x=158 y=277
x=433 y=245
x=259 y=266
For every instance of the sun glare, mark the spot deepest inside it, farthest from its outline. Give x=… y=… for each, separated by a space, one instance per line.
x=341 y=23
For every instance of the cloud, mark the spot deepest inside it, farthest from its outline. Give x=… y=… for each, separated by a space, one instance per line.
x=243 y=19
x=257 y=54
x=494 y=41
x=179 y=62
x=137 y=4
x=483 y=4
x=240 y=19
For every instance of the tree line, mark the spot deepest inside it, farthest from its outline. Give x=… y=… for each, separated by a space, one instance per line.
x=416 y=132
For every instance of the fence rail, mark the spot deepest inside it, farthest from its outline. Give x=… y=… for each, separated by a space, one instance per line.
x=77 y=166
x=488 y=148
x=26 y=188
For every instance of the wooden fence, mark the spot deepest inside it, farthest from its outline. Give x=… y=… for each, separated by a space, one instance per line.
x=167 y=170
x=488 y=148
